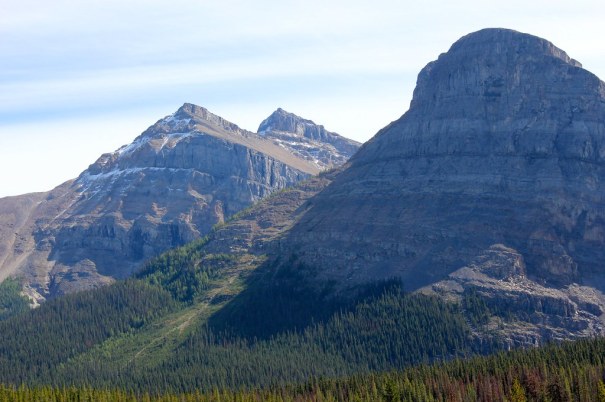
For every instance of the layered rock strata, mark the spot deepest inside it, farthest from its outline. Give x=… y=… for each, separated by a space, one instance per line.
x=504 y=143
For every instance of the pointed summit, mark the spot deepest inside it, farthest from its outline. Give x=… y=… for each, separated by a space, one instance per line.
x=280 y=120
x=172 y=184
x=200 y=114
x=306 y=139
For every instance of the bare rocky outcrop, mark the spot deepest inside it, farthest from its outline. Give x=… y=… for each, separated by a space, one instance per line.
x=504 y=143
x=521 y=311
x=16 y=214
x=172 y=184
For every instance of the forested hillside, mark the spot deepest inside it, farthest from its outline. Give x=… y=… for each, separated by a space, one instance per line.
x=35 y=343
x=11 y=300
x=383 y=332
x=65 y=341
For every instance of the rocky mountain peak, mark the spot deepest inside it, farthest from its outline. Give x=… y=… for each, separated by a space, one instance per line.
x=200 y=114
x=280 y=120
x=184 y=125
x=501 y=41
x=307 y=140
x=184 y=174
x=500 y=81
x=495 y=67
x=504 y=143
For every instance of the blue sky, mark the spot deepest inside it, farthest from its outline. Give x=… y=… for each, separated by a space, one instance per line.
x=79 y=78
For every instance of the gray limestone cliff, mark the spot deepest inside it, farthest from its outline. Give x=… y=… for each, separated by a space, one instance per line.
x=171 y=185
x=504 y=143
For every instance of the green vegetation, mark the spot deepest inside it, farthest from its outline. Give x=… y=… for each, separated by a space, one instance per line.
x=475 y=307
x=275 y=300
x=386 y=330
x=34 y=344
x=571 y=371
x=187 y=272
x=11 y=300
x=180 y=271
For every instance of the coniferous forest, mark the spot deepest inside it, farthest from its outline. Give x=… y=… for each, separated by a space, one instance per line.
x=571 y=371
x=42 y=339
x=386 y=329
x=11 y=300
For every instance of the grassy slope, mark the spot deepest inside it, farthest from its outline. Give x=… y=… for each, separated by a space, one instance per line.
x=155 y=342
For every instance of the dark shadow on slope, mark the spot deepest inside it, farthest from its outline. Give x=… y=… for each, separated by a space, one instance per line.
x=284 y=296
x=277 y=298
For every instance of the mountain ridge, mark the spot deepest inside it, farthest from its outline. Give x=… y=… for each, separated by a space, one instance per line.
x=185 y=173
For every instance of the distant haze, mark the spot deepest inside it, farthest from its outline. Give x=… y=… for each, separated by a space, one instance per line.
x=81 y=78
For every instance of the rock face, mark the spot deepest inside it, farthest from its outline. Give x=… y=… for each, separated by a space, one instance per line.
x=504 y=143
x=184 y=174
x=15 y=215
x=518 y=310
x=307 y=140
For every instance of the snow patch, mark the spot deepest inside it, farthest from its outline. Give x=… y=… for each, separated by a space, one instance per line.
x=174 y=138
x=89 y=178
x=175 y=123
x=133 y=146
x=176 y=128
x=92 y=184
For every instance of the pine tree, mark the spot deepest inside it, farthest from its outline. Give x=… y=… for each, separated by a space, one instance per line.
x=517 y=393
x=601 y=391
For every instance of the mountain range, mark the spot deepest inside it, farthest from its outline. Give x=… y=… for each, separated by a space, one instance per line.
x=474 y=222
x=171 y=185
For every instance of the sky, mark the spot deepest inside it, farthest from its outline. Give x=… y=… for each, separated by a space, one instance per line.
x=81 y=78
